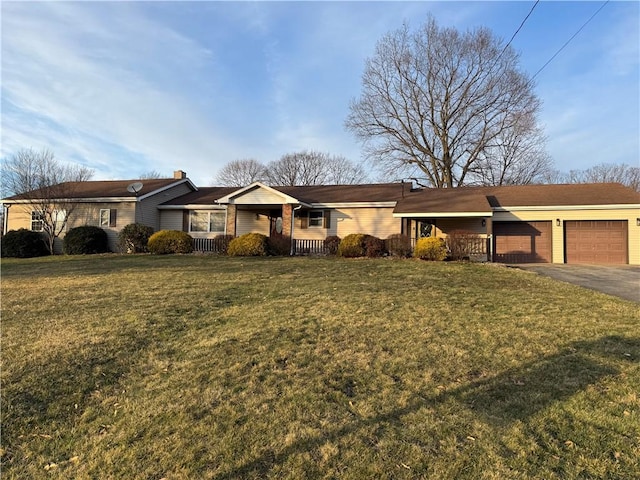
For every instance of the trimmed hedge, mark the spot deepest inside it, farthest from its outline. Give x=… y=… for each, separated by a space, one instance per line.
x=23 y=243
x=331 y=244
x=398 y=245
x=86 y=240
x=430 y=248
x=133 y=238
x=170 y=241
x=352 y=246
x=249 y=245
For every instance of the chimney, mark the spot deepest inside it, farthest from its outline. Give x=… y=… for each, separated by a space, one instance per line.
x=179 y=175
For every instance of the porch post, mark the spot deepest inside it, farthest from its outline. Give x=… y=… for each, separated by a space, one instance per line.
x=287 y=215
x=230 y=228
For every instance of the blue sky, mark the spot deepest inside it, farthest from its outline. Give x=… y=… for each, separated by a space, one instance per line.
x=126 y=88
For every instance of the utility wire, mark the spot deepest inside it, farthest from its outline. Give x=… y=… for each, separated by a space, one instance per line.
x=519 y=28
x=569 y=41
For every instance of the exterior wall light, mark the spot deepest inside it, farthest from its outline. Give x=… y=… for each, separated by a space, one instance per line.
x=558 y=222
x=484 y=222
x=638 y=222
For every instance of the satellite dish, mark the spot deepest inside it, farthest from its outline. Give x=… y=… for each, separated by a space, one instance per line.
x=135 y=187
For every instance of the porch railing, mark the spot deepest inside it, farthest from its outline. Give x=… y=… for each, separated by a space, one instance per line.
x=309 y=247
x=209 y=245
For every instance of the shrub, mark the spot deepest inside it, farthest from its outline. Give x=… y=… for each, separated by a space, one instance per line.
x=352 y=246
x=249 y=245
x=373 y=246
x=331 y=244
x=430 y=248
x=221 y=243
x=399 y=245
x=86 y=240
x=170 y=241
x=461 y=243
x=279 y=245
x=23 y=243
x=133 y=238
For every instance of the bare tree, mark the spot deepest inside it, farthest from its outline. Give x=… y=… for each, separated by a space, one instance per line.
x=437 y=100
x=602 y=173
x=313 y=168
x=516 y=157
x=47 y=186
x=240 y=173
x=150 y=175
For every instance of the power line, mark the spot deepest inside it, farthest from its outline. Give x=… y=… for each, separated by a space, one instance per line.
x=520 y=27
x=569 y=41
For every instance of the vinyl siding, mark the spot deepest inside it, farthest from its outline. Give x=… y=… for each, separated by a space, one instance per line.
x=148 y=212
x=84 y=214
x=378 y=221
x=557 y=233
x=171 y=219
x=246 y=222
x=258 y=196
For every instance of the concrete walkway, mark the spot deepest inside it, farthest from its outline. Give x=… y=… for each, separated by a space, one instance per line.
x=620 y=280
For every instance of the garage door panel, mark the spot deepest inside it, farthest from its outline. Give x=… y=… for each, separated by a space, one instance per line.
x=522 y=242
x=596 y=241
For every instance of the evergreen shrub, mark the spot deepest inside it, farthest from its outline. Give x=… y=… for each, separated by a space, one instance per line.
x=170 y=241
x=249 y=245
x=133 y=238
x=430 y=248
x=352 y=246
x=85 y=240
x=23 y=243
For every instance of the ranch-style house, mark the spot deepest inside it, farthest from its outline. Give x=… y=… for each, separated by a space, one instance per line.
x=577 y=223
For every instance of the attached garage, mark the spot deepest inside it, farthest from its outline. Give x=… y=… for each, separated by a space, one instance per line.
x=596 y=241
x=522 y=242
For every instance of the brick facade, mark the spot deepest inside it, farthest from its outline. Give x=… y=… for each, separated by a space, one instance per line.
x=231 y=220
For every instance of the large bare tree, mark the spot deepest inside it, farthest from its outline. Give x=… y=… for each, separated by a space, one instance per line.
x=46 y=185
x=602 y=173
x=313 y=168
x=240 y=173
x=437 y=100
x=516 y=157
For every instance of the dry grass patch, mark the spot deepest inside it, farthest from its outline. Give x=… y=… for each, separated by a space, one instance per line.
x=207 y=367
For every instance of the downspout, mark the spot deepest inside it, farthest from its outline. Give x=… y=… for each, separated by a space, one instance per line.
x=5 y=218
x=293 y=218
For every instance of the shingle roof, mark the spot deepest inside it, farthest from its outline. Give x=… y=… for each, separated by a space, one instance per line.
x=481 y=199
x=105 y=188
x=376 y=192
x=203 y=196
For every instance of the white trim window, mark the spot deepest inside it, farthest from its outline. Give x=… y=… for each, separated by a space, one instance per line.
x=207 y=221
x=37 y=221
x=316 y=219
x=108 y=217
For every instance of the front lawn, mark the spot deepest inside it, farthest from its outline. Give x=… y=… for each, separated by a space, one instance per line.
x=198 y=367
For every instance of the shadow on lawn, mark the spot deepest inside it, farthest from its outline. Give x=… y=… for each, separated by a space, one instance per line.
x=513 y=395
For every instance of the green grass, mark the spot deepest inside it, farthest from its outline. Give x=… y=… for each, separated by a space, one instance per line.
x=203 y=367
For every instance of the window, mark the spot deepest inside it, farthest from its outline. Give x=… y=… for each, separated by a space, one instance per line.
x=37 y=221
x=207 y=221
x=316 y=218
x=108 y=217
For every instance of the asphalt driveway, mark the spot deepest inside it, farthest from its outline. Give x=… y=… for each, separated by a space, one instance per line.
x=620 y=280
